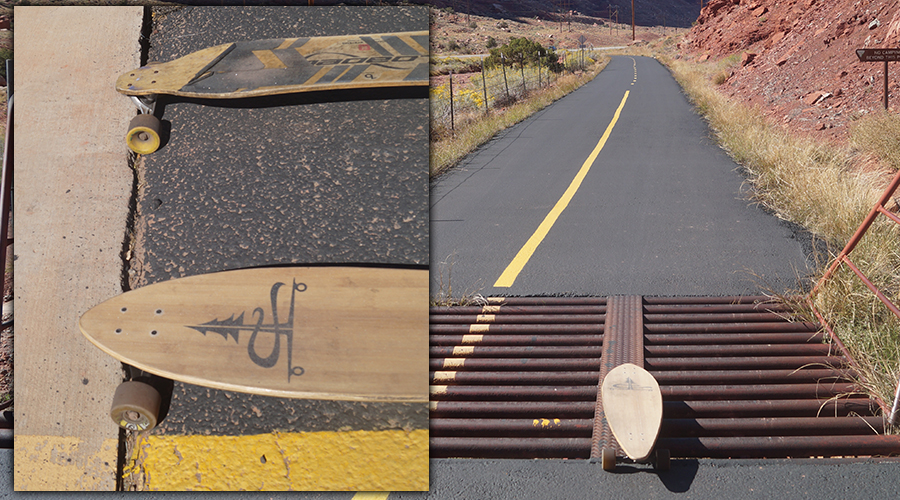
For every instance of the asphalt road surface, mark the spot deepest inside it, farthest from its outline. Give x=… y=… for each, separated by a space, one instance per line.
x=617 y=188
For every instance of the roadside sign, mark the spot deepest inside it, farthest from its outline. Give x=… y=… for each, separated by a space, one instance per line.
x=878 y=55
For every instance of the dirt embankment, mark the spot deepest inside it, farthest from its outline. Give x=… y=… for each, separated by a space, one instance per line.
x=796 y=59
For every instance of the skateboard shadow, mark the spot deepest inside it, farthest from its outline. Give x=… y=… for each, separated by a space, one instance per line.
x=678 y=479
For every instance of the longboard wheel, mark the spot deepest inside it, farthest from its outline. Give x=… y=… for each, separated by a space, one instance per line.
x=608 y=459
x=135 y=406
x=143 y=134
x=663 y=458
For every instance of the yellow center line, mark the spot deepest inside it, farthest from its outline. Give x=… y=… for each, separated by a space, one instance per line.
x=518 y=263
x=371 y=495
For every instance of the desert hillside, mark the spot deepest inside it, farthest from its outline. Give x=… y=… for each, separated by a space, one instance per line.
x=796 y=59
x=671 y=13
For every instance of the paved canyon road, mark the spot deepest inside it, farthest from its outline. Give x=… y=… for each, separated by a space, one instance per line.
x=618 y=188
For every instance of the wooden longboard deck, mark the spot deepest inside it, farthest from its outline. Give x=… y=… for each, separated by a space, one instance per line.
x=632 y=403
x=287 y=65
x=342 y=333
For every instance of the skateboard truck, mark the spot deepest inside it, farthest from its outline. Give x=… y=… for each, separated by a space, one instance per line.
x=660 y=459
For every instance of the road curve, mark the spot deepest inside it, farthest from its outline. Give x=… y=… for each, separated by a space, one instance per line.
x=618 y=188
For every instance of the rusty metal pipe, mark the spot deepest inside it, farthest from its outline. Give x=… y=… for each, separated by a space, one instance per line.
x=531 y=427
x=513 y=393
x=516 y=340
x=712 y=377
x=517 y=318
x=465 y=329
x=791 y=426
x=730 y=327
x=725 y=300
x=515 y=351
x=713 y=308
x=769 y=408
x=758 y=363
x=754 y=317
x=733 y=338
x=780 y=446
x=514 y=378
x=514 y=364
x=512 y=409
x=685 y=351
x=756 y=391
x=443 y=447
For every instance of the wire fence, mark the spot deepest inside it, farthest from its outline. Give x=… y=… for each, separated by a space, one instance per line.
x=461 y=98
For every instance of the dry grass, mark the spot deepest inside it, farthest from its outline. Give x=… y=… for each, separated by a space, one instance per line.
x=447 y=151
x=823 y=188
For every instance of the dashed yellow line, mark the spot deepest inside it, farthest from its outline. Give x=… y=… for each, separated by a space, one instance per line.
x=518 y=263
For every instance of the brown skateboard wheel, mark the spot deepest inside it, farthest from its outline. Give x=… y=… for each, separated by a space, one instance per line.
x=143 y=134
x=135 y=406
x=663 y=459
x=608 y=459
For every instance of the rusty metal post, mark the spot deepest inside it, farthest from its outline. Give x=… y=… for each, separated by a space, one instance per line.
x=452 y=127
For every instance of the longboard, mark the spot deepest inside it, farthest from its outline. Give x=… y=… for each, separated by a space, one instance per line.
x=340 y=333
x=632 y=403
x=275 y=66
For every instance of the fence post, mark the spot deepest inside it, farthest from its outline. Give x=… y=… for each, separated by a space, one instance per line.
x=452 y=128
x=524 y=88
x=505 y=81
x=484 y=86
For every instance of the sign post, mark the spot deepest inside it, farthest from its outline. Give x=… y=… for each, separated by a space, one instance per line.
x=880 y=55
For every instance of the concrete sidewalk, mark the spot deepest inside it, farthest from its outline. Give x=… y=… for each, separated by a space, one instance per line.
x=73 y=189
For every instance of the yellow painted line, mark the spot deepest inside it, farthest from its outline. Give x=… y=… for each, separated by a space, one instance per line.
x=367 y=461
x=371 y=495
x=64 y=463
x=496 y=300
x=485 y=318
x=462 y=350
x=518 y=263
x=479 y=328
x=472 y=339
x=437 y=389
x=490 y=309
x=444 y=376
x=450 y=363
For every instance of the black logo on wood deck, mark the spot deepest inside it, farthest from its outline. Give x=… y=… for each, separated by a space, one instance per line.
x=232 y=327
x=631 y=385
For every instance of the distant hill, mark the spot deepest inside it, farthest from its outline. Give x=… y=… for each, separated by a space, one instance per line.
x=672 y=13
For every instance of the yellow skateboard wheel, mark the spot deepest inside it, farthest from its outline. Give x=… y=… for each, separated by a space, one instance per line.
x=135 y=406
x=143 y=134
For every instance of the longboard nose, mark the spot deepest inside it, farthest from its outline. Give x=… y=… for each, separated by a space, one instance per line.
x=632 y=403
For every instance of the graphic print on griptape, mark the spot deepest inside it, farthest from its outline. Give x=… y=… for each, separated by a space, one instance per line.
x=275 y=66
x=232 y=327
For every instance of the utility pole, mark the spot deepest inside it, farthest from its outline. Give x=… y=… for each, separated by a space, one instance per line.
x=632 y=20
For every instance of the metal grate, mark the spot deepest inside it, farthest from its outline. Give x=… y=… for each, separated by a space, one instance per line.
x=519 y=378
